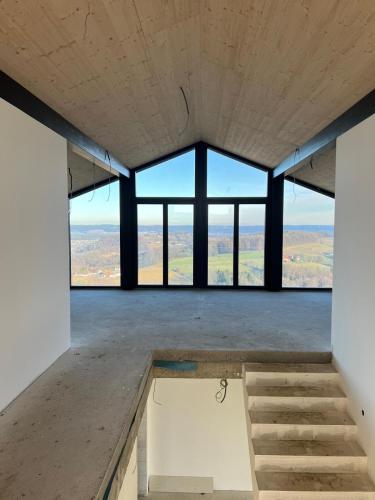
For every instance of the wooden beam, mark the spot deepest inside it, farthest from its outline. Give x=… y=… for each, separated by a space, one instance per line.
x=354 y=115
x=18 y=96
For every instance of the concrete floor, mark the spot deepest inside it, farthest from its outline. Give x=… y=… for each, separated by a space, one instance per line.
x=58 y=437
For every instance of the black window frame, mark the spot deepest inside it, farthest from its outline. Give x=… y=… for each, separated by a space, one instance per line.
x=273 y=203
x=320 y=191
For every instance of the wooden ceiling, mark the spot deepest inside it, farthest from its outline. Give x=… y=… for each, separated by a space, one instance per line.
x=83 y=173
x=260 y=76
x=319 y=170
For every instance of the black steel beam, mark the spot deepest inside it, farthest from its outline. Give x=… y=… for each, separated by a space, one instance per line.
x=164 y=158
x=310 y=186
x=235 y=243
x=165 y=244
x=21 y=98
x=354 y=115
x=274 y=234
x=97 y=185
x=239 y=158
x=200 y=218
x=186 y=149
x=128 y=232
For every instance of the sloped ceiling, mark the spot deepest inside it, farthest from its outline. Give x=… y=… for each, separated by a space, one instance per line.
x=83 y=174
x=319 y=170
x=260 y=76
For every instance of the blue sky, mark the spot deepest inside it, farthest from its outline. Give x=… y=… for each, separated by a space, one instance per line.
x=303 y=206
x=95 y=207
x=225 y=177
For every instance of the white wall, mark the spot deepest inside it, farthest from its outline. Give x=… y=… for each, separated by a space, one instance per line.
x=353 y=315
x=34 y=250
x=190 y=434
x=129 y=487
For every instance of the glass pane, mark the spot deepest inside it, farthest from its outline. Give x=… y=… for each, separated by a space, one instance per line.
x=308 y=238
x=95 y=237
x=180 y=244
x=175 y=177
x=220 y=244
x=228 y=177
x=150 y=244
x=251 y=245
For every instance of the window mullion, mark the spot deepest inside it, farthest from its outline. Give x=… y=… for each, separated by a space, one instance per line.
x=235 y=244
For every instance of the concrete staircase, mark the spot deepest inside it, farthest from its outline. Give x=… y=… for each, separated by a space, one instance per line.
x=302 y=440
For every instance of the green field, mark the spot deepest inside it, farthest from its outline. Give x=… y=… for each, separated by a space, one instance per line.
x=220 y=270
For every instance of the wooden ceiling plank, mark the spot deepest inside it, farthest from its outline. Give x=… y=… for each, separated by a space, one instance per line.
x=261 y=76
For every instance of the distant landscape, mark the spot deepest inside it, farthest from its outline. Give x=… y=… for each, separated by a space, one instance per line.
x=95 y=255
x=307 y=255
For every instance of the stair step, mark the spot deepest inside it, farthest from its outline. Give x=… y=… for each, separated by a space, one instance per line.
x=292 y=391
x=295 y=485
x=290 y=367
x=306 y=425
x=287 y=397
x=309 y=456
x=302 y=374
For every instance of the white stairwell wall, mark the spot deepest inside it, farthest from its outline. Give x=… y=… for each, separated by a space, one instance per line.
x=34 y=250
x=353 y=315
x=191 y=434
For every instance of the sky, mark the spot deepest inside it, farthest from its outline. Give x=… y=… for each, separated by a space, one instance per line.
x=225 y=177
x=98 y=207
x=303 y=206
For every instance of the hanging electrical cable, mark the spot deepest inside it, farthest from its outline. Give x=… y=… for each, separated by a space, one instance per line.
x=187 y=111
x=222 y=392
x=294 y=179
x=107 y=155
x=93 y=181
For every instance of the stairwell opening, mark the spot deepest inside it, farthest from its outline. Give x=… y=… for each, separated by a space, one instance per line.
x=192 y=441
x=270 y=431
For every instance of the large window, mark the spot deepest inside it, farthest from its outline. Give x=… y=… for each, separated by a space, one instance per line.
x=231 y=178
x=308 y=238
x=180 y=244
x=198 y=227
x=172 y=178
x=150 y=244
x=95 y=237
x=166 y=223
x=220 y=244
x=236 y=230
x=251 y=245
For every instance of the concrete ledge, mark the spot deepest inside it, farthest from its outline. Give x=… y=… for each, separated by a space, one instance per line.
x=252 y=356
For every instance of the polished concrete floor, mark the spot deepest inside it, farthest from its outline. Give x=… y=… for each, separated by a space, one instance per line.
x=58 y=437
